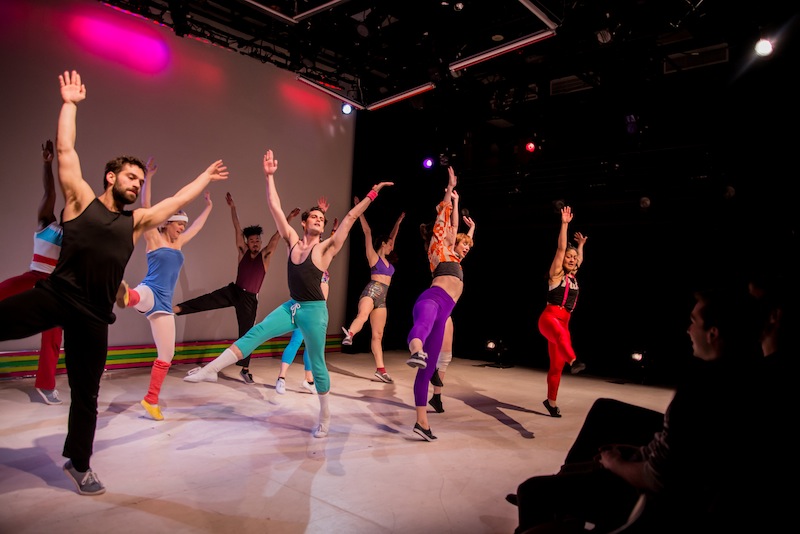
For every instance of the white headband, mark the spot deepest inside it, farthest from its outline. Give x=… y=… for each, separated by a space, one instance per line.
x=178 y=218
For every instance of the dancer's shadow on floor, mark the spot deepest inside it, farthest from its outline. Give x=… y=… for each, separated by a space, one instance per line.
x=493 y=408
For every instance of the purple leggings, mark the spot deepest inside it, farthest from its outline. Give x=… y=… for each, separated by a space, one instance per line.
x=431 y=311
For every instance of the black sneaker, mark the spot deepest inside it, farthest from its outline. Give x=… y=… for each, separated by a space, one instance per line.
x=247 y=377
x=577 y=367
x=427 y=435
x=554 y=411
x=436 y=402
x=512 y=499
x=418 y=359
x=436 y=380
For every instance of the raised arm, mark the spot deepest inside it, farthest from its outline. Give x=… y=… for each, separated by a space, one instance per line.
x=145 y=218
x=557 y=267
x=77 y=193
x=471 y=225
x=451 y=183
x=238 y=237
x=369 y=248
x=151 y=235
x=199 y=222
x=580 y=239
x=147 y=191
x=334 y=244
x=273 y=241
x=396 y=227
x=285 y=229
x=47 y=206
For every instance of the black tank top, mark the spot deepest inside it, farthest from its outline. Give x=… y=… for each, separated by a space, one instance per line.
x=304 y=279
x=565 y=294
x=97 y=246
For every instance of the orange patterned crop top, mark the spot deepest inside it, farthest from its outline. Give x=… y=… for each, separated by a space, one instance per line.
x=440 y=250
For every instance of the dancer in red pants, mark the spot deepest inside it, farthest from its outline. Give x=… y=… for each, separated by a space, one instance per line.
x=562 y=295
x=46 y=249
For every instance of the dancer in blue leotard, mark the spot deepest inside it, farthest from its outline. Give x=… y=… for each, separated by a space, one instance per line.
x=153 y=295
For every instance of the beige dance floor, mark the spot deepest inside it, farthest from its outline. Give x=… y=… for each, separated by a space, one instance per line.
x=239 y=458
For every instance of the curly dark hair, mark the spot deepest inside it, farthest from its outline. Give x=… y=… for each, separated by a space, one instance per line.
x=252 y=230
x=117 y=164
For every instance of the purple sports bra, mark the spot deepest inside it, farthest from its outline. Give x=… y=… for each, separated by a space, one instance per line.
x=381 y=268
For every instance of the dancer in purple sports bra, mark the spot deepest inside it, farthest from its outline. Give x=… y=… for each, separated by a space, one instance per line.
x=372 y=303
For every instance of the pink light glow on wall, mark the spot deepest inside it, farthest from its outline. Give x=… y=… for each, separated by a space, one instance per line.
x=306 y=101
x=114 y=42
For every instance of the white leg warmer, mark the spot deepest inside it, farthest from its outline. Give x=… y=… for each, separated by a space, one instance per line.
x=209 y=372
x=321 y=430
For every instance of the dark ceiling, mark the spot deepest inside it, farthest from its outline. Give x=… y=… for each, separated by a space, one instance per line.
x=626 y=97
x=372 y=50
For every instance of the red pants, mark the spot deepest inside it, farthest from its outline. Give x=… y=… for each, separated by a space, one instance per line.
x=51 y=339
x=554 y=325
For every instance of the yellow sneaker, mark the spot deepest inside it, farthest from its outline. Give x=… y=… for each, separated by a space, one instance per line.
x=153 y=411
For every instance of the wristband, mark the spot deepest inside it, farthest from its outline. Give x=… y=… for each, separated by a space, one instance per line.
x=372 y=195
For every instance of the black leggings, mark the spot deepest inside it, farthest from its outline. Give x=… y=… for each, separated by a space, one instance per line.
x=244 y=302
x=85 y=351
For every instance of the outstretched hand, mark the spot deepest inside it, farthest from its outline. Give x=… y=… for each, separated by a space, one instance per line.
x=229 y=200
x=453 y=180
x=468 y=221
x=566 y=214
x=580 y=238
x=322 y=203
x=217 y=171
x=270 y=163
x=72 y=90
x=377 y=187
x=151 y=167
x=292 y=214
x=207 y=197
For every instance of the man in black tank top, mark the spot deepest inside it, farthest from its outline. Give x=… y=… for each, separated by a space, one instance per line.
x=99 y=237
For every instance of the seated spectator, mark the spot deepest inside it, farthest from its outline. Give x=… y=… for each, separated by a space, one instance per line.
x=685 y=466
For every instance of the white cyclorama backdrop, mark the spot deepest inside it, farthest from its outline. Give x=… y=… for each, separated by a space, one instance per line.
x=206 y=103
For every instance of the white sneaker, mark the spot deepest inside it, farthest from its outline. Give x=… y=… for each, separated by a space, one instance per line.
x=311 y=388
x=348 y=337
x=200 y=374
x=280 y=386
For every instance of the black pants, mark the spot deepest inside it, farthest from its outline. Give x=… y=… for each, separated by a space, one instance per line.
x=585 y=492
x=85 y=351
x=610 y=421
x=244 y=302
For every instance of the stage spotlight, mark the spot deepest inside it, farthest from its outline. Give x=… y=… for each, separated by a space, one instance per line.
x=347 y=109
x=763 y=47
x=530 y=146
x=498 y=350
x=637 y=356
x=427 y=163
